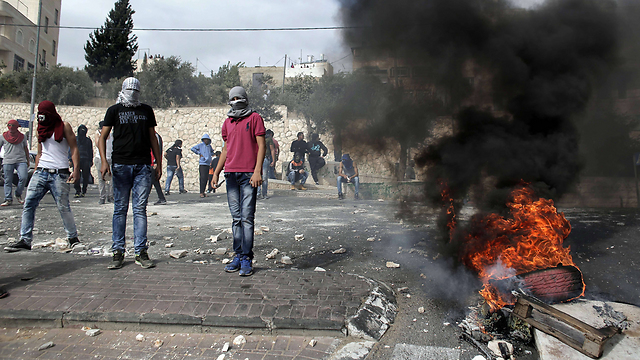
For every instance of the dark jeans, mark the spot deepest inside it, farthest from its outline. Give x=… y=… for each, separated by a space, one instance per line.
x=85 y=174
x=241 y=197
x=204 y=176
x=316 y=163
x=156 y=184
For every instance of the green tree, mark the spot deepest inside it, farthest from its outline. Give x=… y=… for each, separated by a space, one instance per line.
x=109 y=51
x=222 y=81
x=297 y=92
x=169 y=82
x=263 y=99
x=61 y=84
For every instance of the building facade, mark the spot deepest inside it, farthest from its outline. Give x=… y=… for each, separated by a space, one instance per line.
x=312 y=67
x=18 y=35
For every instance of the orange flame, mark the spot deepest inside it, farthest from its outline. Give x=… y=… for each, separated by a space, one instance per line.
x=530 y=238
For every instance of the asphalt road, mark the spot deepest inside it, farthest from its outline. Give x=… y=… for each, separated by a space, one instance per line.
x=355 y=237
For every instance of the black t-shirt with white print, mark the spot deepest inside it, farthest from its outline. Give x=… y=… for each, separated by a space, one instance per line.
x=130 y=128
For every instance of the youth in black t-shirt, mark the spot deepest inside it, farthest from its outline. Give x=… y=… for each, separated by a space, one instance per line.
x=131 y=143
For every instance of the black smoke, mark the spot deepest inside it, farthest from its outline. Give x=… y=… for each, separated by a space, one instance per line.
x=544 y=64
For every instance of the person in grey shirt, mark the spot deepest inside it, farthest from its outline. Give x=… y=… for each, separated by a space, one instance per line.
x=16 y=157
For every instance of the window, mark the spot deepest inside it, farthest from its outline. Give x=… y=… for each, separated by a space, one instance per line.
x=53 y=48
x=18 y=63
x=46 y=25
x=44 y=57
x=19 y=37
x=30 y=67
x=55 y=20
x=32 y=46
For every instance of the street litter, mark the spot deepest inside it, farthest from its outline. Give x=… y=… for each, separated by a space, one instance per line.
x=226 y=261
x=272 y=254
x=177 y=254
x=501 y=349
x=139 y=337
x=185 y=228
x=286 y=260
x=157 y=343
x=299 y=237
x=239 y=340
x=264 y=228
x=340 y=251
x=391 y=264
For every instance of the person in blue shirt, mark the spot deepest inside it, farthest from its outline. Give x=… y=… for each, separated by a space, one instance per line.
x=205 y=151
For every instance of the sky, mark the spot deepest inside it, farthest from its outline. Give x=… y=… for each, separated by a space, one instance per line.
x=210 y=50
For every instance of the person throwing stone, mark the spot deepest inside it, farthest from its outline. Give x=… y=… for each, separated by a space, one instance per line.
x=134 y=133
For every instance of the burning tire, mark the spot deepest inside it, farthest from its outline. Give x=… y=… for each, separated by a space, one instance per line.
x=553 y=285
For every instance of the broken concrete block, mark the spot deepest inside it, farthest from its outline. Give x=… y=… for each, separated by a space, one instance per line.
x=313 y=342
x=157 y=343
x=239 y=340
x=139 y=337
x=340 y=251
x=392 y=265
x=272 y=254
x=371 y=239
x=177 y=254
x=93 y=332
x=299 y=237
x=319 y=269
x=78 y=248
x=220 y=251
x=286 y=260
x=42 y=244
x=185 y=228
x=222 y=236
x=226 y=261
x=221 y=357
x=169 y=245
x=45 y=346
x=225 y=347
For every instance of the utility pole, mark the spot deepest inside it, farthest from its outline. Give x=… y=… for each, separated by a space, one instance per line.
x=284 y=72
x=33 y=84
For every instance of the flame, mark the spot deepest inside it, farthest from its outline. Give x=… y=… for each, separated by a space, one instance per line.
x=530 y=238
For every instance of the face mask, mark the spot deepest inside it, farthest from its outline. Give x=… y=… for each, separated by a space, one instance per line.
x=238 y=104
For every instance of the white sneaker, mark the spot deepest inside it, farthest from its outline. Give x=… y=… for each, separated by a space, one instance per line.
x=20 y=199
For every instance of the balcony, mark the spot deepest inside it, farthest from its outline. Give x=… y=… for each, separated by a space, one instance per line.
x=14 y=8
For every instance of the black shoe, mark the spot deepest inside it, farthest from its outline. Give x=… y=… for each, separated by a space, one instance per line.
x=143 y=260
x=17 y=246
x=183 y=191
x=357 y=197
x=117 y=260
x=317 y=183
x=160 y=202
x=77 y=195
x=73 y=242
x=167 y=193
x=340 y=196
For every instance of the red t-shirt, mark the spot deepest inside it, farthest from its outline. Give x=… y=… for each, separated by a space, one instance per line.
x=240 y=138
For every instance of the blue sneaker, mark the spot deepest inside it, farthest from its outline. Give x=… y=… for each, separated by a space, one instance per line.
x=245 y=267
x=233 y=265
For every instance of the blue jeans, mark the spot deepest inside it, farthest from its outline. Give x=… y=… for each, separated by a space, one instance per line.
x=355 y=181
x=262 y=189
x=41 y=183
x=241 y=197
x=171 y=170
x=23 y=174
x=134 y=180
x=294 y=175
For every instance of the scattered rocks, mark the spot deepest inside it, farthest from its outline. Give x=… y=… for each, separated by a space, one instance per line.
x=185 y=228
x=157 y=343
x=220 y=251
x=299 y=237
x=239 y=340
x=392 y=265
x=272 y=254
x=45 y=346
x=221 y=357
x=340 y=251
x=93 y=332
x=319 y=269
x=371 y=239
x=264 y=228
x=169 y=245
x=286 y=260
x=177 y=254
x=257 y=232
x=225 y=347
x=421 y=309
x=140 y=337
x=222 y=236
x=43 y=244
x=226 y=261
x=313 y=342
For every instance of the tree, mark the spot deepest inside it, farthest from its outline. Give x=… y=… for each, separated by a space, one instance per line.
x=263 y=99
x=61 y=84
x=169 y=82
x=222 y=81
x=109 y=51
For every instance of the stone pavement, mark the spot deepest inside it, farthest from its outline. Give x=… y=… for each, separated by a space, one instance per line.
x=60 y=290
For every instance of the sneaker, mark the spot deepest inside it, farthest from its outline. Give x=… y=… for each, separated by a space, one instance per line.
x=160 y=202
x=117 y=260
x=101 y=202
x=293 y=187
x=17 y=246
x=73 y=242
x=143 y=260
x=245 y=267
x=77 y=195
x=302 y=187
x=83 y=194
x=6 y=203
x=340 y=196
x=317 y=183
x=20 y=199
x=183 y=191
x=209 y=191
x=167 y=193
x=357 y=197
x=233 y=265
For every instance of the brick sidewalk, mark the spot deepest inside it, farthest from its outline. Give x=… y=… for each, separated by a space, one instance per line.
x=69 y=289
x=70 y=343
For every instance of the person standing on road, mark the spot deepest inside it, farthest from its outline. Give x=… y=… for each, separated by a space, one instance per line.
x=267 y=164
x=134 y=133
x=85 y=148
x=154 y=179
x=16 y=156
x=173 y=156
x=205 y=151
x=348 y=173
x=104 y=187
x=242 y=158
x=212 y=169
x=55 y=139
x=317 y=152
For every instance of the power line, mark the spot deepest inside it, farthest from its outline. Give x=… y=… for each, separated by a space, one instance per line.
x=335 y=61
x=194 y=29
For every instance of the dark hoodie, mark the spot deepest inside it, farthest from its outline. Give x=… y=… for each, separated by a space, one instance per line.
x=85 y=145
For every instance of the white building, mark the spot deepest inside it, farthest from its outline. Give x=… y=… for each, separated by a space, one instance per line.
x=312 y=67
x=18 y=34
